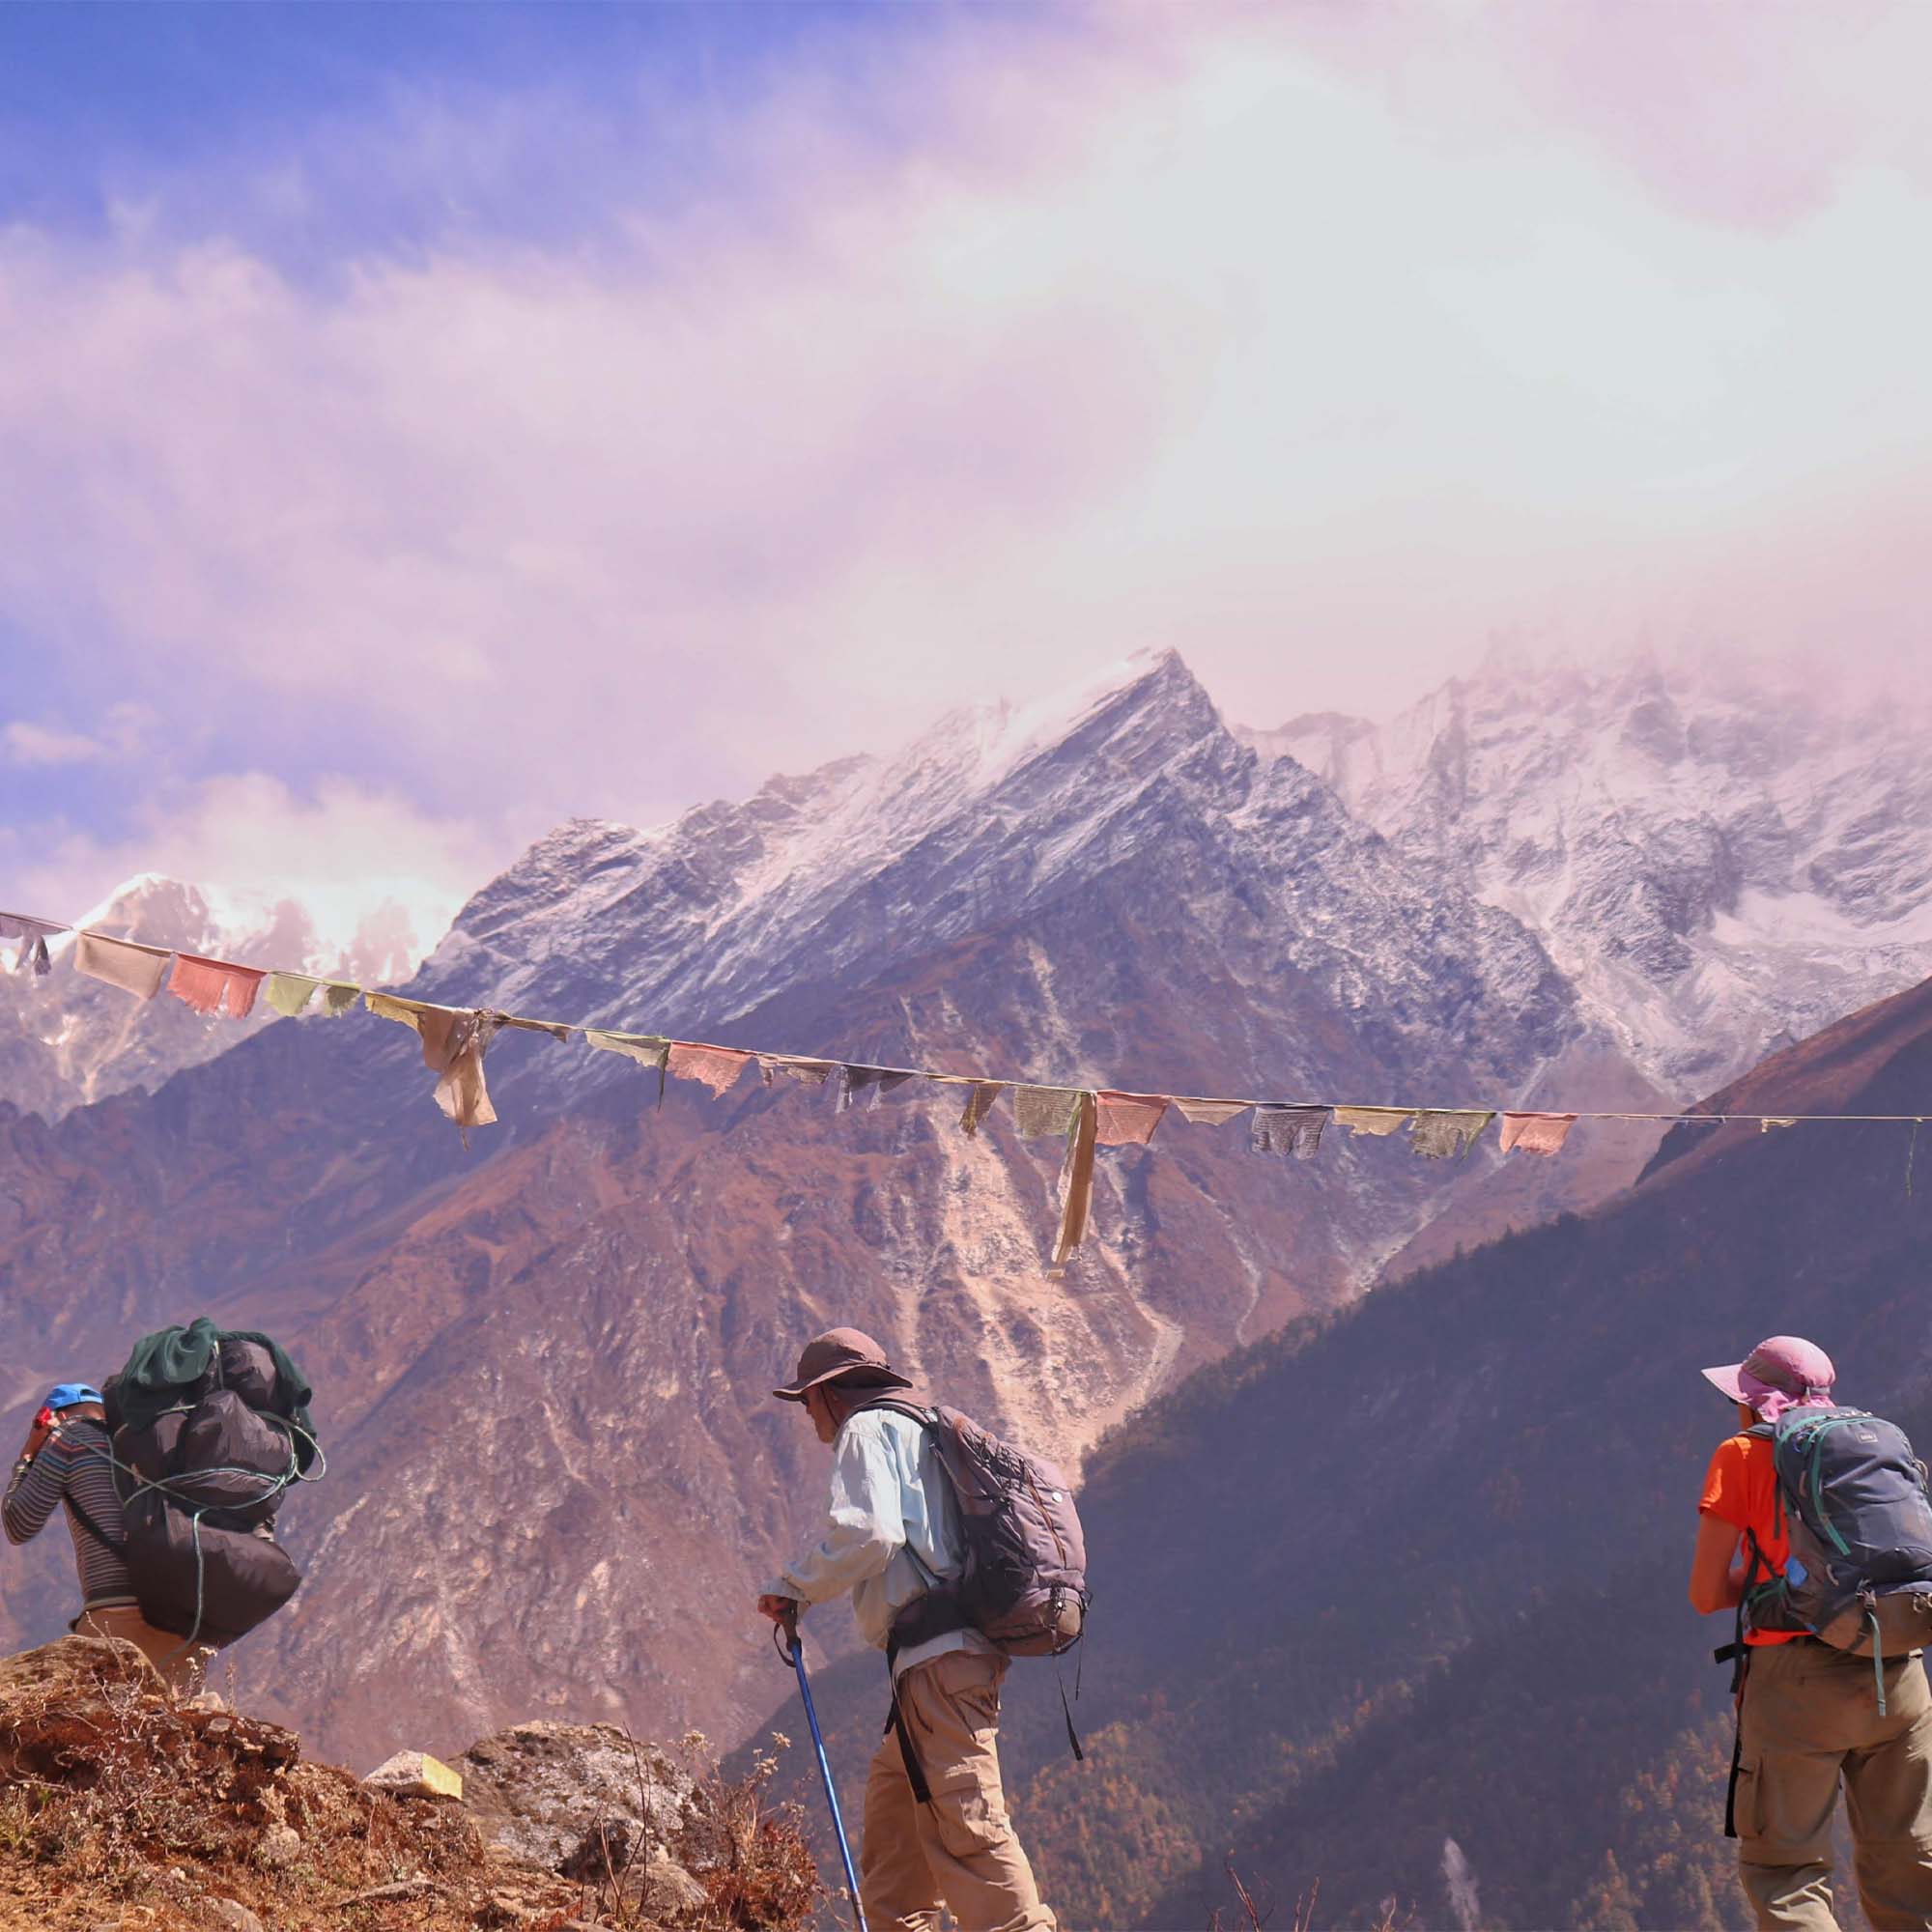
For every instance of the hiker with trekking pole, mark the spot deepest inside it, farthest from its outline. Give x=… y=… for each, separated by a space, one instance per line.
x=958 y=1552
x=1816 y=1531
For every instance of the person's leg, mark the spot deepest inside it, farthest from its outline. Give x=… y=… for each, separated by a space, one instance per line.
x=895 y=1884
x=951 y=1709
x=1791 y=1727
x=1888 y=1794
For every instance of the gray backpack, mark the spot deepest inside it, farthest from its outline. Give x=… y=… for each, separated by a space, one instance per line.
x=1024 y=1585
x=1857 y=1509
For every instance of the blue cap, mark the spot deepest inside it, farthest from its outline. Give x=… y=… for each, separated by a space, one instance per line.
x=64 y=1394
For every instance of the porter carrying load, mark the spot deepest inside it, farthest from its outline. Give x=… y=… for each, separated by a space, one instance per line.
x=211 y=1428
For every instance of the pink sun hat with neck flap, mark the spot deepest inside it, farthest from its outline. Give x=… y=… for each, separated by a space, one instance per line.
x=1782 y=1372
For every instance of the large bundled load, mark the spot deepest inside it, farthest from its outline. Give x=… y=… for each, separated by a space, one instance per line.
x=210 y=1429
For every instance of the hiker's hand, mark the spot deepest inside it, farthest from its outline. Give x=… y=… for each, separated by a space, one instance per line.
x=38 y=1433
x=780 y=1609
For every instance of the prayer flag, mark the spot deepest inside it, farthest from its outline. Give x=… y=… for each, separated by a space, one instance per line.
x=715 y=1067
x=1445 y=1133
x=1208 y=1113
x=33 y=935
x=453 y=1044
x=555 y=1028
x=1768 y=1120
x=126 y=963
x=1295 y=1130
x=1537 y=1133
x=979 y=1103
x=648 y=1049
x=1126 y=1120
x=214 y=985
x=856 y=1080
x=807 y=1072
x=1377 y=1120
x=1077 y=1178
x=1040 y=1111
x=290 y=993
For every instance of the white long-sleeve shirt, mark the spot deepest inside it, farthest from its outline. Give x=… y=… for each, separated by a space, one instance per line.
x=892 y=1529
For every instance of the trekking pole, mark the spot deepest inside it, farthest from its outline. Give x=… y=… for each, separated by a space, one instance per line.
x=789 y=1626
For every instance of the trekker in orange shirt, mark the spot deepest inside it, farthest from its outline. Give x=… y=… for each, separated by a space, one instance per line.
x=1808 y=1714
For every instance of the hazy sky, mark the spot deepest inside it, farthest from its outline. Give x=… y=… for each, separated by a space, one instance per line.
x=418 y=424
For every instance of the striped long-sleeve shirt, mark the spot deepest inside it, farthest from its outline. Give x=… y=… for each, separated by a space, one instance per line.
x=74 y=1468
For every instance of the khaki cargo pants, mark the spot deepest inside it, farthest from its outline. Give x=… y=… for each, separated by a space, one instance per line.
x=1809 y=1721
x=183 y=1665
x=960 y=1849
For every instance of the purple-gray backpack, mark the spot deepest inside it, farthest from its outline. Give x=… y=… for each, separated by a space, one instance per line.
x=1024 y=1586
x=1855 y=1504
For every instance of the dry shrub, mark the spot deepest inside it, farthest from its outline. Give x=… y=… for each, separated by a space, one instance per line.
x=112 y=1793
x=749 y=1866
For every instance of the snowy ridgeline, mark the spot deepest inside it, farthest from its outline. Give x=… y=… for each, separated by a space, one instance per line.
x=1529 y=871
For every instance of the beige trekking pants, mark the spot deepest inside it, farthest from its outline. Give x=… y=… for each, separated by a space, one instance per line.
x=960 y=1849
x=1809 y=1721
x=183 y=1667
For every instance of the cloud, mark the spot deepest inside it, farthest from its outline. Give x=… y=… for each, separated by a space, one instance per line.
x=37 y=746
x=366 y=880
x=1267 y=339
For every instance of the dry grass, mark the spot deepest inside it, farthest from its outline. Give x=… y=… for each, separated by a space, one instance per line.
x=1255 y=1910
x=120 y=1807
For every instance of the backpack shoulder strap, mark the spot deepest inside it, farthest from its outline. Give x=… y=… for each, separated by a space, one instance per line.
x=113 y=1546
x=926 y=1418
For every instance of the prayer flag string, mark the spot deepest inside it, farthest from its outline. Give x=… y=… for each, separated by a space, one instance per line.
x=455 y=1038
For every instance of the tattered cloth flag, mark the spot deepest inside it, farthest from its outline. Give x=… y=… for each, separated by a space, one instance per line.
x=33 y=935
x=126 y=963
x=856 y=1080
x=807 y=1073
x=648 y=1049
x=290 y=993
x=1536 y=1133
x=1208 y=1113
x=555 y=1028
x=1040 y=1111
x=1377 y=1120
x=453 y=1044
x=1446 y=1134
x=1295 y=1130
x=208 y=985
x=978 y=1102
x=1126 y=1120
x=1767 y=1122
x=1077 y=1178
x=715 y=1067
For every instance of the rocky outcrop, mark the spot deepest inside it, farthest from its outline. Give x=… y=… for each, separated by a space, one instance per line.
x=121 y=1806
x=541 y=1790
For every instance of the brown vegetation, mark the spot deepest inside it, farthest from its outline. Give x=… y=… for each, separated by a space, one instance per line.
x=120 y=1807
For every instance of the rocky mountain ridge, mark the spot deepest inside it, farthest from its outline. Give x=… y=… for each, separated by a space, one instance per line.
x=1719 y=863
x=550 y=1485
x=67 y=1040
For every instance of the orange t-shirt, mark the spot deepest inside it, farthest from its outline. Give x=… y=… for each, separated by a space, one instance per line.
x=1741 y=1488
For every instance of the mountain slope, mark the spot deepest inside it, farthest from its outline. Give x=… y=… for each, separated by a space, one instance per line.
x=1718 y=862
x=1414 y=1572
x=66 y=1039
x=533 y=1359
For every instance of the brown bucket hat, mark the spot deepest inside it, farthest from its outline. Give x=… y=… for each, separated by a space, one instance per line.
x=838 y=1353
